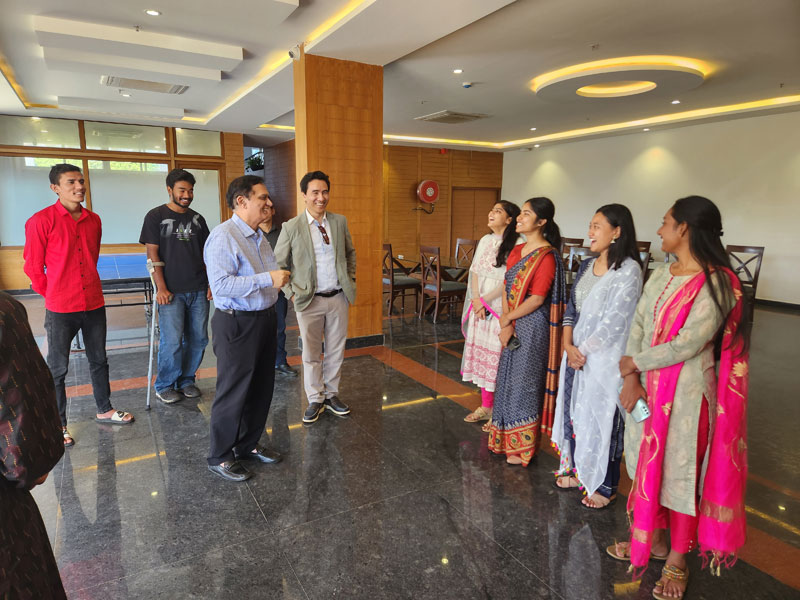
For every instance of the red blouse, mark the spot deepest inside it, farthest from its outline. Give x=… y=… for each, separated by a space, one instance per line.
x=544 y=276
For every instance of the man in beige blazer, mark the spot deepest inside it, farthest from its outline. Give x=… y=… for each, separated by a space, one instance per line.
x=317 y=248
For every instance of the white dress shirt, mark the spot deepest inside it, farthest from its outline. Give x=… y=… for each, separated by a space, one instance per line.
x=327 y=281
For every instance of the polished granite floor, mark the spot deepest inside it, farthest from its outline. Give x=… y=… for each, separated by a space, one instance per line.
x=401 y=500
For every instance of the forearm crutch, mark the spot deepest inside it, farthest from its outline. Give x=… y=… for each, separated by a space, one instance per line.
x=151 y=267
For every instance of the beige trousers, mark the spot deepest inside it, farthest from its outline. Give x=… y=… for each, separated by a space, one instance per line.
x=323 y=318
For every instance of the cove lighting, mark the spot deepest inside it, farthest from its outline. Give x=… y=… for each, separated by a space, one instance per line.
x=678 y=117
x=152 y=13
x=615 y=89
x=621 y=64
x=351 y=9
x=278 y=127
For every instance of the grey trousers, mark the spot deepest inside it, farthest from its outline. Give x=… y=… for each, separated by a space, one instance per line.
x=323 y=318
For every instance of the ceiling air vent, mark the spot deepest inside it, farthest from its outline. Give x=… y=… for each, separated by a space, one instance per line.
x=142 y=85
x=450 y=116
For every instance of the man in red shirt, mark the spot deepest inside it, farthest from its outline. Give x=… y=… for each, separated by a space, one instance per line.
x=62 y=243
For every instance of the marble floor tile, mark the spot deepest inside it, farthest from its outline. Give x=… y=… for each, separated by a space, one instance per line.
x=410 y=546
x=250 y=570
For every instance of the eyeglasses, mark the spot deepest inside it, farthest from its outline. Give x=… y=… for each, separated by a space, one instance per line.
x=324 y=233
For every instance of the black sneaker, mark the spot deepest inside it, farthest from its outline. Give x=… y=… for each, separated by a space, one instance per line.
x=314 y=410
x=169 y=396
x=336 y=406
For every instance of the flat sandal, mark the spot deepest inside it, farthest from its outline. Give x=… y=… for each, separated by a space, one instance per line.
x=479 y=414
x=675 y=574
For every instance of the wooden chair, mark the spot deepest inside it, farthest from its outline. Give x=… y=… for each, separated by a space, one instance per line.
x=432 y=284
x=577 y=254
x=397 y=281
x=566 y=244
x=644 y=256
x=465 y=252
x=746 y=263
x=669 y=257
x=643 y=246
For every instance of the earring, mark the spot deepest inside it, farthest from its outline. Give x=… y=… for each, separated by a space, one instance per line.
x=613 y=240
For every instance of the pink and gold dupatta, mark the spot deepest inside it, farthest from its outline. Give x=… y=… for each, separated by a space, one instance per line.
x=721 y=529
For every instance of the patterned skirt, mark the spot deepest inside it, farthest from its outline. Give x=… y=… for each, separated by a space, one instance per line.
x=521 y=376
x=482 y=349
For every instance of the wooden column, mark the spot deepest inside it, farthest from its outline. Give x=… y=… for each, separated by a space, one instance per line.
x=339 y=130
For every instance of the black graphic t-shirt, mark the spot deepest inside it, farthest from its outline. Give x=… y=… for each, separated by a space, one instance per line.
x=180 y=238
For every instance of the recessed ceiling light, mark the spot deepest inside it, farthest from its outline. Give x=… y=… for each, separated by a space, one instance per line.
x=386 y=143
x=458 y=71
x=646 y=129
x=45 y=131
x=533 y=128
x=126 y=95
x=676 y=101
x=35 y=118
x=153 y=13
x=536 y=145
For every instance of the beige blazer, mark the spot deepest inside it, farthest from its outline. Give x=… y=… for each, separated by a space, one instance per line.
x=295 y=252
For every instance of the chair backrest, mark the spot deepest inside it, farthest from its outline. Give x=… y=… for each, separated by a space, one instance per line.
x=642 y=246
x=431 y=264
x=567 y=243
x=746 y=268
x=465 y=251
x=670 y=257
x=578 y=254
x=644 y=256
x=388 y=263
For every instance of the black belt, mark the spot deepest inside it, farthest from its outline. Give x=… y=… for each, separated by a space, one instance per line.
x=247 y=313
x=330 y=294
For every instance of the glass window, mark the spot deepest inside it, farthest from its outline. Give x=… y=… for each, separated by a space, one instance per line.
x=36 y=131
x=24 y=190
x=206 y=195
x=125 y=138
x=197 y=142
x=122 y=193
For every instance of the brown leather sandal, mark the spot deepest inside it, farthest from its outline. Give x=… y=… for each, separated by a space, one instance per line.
x=613 y=552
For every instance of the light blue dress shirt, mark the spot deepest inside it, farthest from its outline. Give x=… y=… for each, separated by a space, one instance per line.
x=238 y=261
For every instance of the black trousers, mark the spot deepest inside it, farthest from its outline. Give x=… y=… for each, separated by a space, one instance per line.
x=61 y=328
x=244 y=344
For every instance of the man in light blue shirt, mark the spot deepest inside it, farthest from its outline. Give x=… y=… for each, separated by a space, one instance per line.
x=244 y=280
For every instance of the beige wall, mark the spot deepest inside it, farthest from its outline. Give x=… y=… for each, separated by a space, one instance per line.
x=749 y=167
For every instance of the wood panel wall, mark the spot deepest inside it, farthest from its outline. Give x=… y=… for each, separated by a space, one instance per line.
x=280 y=179
x=233 y=152
x=338 y=130
x=404 y=167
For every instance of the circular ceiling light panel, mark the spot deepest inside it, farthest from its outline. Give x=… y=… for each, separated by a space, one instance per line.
x=620 y=77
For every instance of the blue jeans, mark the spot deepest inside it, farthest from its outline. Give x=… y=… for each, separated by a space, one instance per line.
x=183 y=325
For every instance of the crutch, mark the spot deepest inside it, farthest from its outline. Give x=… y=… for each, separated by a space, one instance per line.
x=151 y=267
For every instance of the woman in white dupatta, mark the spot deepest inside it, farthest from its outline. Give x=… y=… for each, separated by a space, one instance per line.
x=588 y=427
x=480 y=322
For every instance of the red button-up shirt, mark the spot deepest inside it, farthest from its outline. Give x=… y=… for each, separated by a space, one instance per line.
x=61 y=258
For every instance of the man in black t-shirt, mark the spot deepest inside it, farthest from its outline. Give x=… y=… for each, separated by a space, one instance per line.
x=175 y=234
